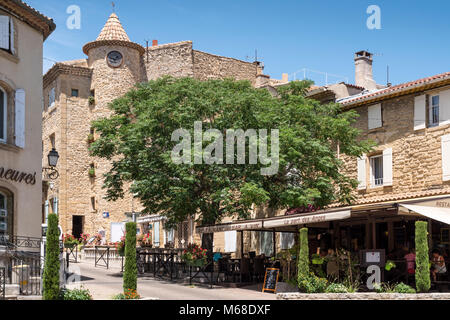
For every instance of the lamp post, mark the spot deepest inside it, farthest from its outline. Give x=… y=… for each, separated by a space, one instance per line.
x=51 y=171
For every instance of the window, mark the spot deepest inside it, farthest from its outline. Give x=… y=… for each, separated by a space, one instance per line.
x=93 y=204
x=376 y=168
x=51 y=97
x=375 y=116
x=3 y=215
x=434 y=111
x=75 y=93
x=3 y=115
x=6 y=214
x=52 y=141
x=7 y=34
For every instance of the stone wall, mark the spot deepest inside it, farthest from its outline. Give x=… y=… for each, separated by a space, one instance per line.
x=209 y=66
x=416 y=155
x=174 y=59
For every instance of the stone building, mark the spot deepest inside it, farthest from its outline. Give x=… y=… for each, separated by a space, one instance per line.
x=22 y=33
x=78 y=92
x=406 y=178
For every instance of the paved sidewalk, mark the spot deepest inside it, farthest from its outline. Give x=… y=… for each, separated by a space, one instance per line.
x=104 y=284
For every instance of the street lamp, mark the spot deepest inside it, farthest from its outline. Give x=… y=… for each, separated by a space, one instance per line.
x=51 y=171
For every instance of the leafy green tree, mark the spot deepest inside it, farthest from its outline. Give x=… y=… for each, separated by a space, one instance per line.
x=423 y=281
x=137 y=138
x=130 y=268
x=51 y=267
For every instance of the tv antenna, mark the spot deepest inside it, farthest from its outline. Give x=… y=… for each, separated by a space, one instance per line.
x=113 y=7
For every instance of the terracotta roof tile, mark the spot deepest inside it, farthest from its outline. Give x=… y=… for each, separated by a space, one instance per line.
x=394 y=89
x=113 y=30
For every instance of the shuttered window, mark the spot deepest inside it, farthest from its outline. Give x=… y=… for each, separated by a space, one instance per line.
x=362 y=172
x=419 y=112
x=387 y=167
x=19 y=129
x=3 y=115
x=446 y=157
x=375 y=118
x=5 y=33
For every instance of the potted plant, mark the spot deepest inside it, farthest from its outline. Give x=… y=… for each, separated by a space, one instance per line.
x=92 y=172
x=194 y=256
x=120 y=246
x=91 y=100
x=69 y=241
x=146 y=240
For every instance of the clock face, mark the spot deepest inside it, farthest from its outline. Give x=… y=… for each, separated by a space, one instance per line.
x=115 y=59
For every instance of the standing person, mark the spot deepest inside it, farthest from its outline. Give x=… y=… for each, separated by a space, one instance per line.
x=438 y=264
x=410 y=258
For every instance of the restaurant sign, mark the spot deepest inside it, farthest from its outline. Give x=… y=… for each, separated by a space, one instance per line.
x=17 y=176
x=230 y=227
x=314 y=218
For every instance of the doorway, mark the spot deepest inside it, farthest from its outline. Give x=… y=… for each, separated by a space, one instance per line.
x=77 y=226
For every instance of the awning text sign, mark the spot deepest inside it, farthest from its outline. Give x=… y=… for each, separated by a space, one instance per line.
x=310 y=219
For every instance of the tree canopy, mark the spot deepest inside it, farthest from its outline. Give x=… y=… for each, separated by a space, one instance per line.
x=137 y=139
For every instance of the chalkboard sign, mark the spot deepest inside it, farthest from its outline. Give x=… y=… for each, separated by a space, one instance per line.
x=271 y=279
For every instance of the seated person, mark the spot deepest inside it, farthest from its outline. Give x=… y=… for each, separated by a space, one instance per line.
x=411 y=262
x=438 y=264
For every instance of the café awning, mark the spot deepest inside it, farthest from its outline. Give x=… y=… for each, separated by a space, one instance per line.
x=435 y=213
x=281 y=223
x=307 y=219
x=150 y=219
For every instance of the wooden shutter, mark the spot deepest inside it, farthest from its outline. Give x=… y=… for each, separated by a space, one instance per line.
x=375 y=117
x=446 y=157
x=19 y=129
x=4 y=32
x=419 y=112
x=362 y=172
x=11 y=37
x=230 y=241
x=156 y=233
x=444 y=107
x=387 y=167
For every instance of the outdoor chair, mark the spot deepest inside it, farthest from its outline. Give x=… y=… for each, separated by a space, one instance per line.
x=258 y=269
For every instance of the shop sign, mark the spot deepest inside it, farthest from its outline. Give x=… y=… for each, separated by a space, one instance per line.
x=17 y=176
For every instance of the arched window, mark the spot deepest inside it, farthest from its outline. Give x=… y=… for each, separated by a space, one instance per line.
x=3 y=115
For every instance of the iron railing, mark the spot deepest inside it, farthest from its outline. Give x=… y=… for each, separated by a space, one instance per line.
x=25 y=269
x=20 y=242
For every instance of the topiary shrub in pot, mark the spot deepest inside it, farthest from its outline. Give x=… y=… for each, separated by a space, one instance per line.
x=423 y=280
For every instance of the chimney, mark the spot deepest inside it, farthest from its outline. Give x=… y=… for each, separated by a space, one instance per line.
x=154 y=43
x=363 y=70
x=285 y=78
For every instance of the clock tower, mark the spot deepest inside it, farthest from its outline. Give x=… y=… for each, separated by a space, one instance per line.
x=115 y=62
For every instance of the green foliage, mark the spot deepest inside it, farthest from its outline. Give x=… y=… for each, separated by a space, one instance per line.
x=137 y=140
x=75 y=294
x=312 y=284
x=423 y=281
x=303 y=256
x=129 y=294
x=130 y=268
x=384 y=287
x=404 y=288
x=336 y=288
x=52 y=265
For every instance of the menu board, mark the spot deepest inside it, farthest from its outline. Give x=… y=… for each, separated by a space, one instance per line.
x=271 y=279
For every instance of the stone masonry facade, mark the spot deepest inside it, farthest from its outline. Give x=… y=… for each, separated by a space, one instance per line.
x=68 y=121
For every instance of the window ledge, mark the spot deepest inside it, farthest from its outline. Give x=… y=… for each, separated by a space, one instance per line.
x=375 y=130
x=9 y=147
x=438 y=127
x=9 y=56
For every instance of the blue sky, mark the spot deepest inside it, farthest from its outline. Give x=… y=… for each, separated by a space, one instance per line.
x=289 y=34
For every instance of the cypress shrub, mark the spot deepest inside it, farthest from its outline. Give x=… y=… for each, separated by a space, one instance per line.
x=130 y=269
x=303 y=258
x=51 y=267
x=423 y=281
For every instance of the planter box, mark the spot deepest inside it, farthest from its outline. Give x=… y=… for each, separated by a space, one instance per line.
x=363 y=296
